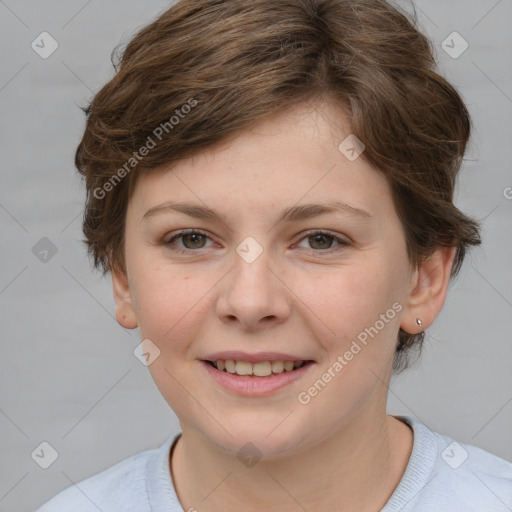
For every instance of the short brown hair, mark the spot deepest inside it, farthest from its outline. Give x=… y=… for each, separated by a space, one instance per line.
x=233 y=62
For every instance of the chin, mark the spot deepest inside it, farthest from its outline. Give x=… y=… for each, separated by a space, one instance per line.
x=268 y=437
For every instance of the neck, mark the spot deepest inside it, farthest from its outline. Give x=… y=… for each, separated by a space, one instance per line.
x=365 y=461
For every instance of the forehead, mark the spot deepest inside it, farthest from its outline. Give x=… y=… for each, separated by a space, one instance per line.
x=287 y=158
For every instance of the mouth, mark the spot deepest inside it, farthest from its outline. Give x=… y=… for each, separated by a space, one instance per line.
x=255 y=374
x=261 y=369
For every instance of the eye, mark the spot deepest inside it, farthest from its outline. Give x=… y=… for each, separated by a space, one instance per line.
x=191 y=238
x=321 y=241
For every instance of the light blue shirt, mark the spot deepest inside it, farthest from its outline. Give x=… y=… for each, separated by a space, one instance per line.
x=441 y=476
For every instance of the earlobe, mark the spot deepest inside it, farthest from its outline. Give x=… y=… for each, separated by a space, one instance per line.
x=125 y=314
x=428 y=293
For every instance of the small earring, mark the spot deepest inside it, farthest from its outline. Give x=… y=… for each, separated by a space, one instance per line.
x=419 y=322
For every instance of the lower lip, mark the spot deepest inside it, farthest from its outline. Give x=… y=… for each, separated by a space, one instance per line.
x=256 y=386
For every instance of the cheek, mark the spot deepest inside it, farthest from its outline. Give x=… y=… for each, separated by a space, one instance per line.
x=359 y=314
x=347 y=300
x=169 y=304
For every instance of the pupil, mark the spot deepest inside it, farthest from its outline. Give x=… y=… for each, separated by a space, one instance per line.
x=194 y=235
x=320 y=238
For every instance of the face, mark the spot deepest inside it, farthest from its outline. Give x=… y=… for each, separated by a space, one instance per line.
x=255 y=285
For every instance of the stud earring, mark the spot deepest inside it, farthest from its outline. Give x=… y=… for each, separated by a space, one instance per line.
x=419 y=322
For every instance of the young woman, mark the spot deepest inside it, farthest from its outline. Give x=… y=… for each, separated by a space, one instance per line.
x=270 y=185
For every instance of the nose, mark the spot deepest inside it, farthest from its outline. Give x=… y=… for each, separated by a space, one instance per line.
x=254 y=294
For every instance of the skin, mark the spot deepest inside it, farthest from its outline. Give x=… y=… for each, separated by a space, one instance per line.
x=291 y=299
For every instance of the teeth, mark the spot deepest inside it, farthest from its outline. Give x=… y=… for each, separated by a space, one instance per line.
x=261 y=369
x=277 y=366
x=230 y=366
x=243 y=368
x=288 y=366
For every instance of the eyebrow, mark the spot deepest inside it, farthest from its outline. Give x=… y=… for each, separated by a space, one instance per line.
x=292 y=214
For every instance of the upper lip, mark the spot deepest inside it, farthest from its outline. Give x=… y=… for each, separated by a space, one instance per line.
x=236 y=355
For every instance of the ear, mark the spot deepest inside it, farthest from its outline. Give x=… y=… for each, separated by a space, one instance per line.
x=429 y=285
x=125 y=314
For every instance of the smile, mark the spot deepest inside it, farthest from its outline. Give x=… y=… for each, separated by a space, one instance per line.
x=254 y=379
x=260 y=369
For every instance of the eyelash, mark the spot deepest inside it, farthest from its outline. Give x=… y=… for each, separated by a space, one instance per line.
x=342 y=243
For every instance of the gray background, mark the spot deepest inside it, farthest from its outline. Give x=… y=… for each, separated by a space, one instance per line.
x=68 y=373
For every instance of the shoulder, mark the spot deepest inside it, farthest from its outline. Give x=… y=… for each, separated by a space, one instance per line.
x=119 y=487
x=455 y=476
x=479 y=478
